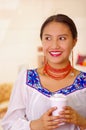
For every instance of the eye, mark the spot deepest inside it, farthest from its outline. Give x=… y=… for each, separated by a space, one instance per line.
x=48 y=38
x=62 y=38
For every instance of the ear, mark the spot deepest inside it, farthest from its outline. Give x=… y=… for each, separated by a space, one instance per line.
x=74 y=42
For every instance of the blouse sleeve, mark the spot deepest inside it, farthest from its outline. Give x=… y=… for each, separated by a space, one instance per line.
x=15 y=118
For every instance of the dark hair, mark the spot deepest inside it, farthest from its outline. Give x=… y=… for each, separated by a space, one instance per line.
x=62 y=19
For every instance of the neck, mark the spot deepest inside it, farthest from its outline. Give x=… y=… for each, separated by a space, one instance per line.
x=57 y=74
x=58 y=66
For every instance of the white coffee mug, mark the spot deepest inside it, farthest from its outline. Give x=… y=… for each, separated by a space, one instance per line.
x=59 y=101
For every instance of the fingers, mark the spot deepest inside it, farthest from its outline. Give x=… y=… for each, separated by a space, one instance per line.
x=49 y=112
x=69 y=115
x=53 y=124
x=49 y=121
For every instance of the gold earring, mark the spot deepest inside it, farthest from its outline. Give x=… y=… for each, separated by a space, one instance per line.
x=45 y=60
x=72 y=72
x=72 y=59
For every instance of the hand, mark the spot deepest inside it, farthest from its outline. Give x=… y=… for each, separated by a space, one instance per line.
x=46 y=121
x=69 y=115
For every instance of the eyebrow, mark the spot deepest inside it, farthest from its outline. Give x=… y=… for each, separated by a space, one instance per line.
x=47 y=35
x=58 y=35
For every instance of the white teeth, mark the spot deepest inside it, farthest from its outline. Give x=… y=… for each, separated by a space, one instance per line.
x=54 y=53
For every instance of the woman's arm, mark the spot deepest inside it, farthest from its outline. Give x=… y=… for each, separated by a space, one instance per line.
x=15 y=118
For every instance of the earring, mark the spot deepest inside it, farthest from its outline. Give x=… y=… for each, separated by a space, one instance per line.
x=45 y=60
x=72 y=73
x=72 y=59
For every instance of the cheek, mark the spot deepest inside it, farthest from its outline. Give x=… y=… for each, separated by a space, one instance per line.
x=68 y=50
x=45 y=49
x=67 y=46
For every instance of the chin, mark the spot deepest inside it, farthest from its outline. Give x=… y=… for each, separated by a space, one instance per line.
x=54 y=62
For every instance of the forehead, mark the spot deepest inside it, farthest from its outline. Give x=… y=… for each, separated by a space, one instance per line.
x=56 y=27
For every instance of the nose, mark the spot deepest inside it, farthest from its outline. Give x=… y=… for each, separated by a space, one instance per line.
x=55 y=44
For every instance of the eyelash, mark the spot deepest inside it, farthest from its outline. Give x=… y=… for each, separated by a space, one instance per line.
x=47 y=38
x=60 y=38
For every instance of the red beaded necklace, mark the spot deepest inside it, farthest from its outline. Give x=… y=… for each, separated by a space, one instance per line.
x=57 y=74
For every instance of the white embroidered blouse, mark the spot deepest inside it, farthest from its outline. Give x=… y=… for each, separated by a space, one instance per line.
x=29 y=100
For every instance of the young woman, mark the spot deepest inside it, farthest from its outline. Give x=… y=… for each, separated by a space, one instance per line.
x=29 y=107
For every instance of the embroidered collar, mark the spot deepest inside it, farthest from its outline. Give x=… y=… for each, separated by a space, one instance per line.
x=33 y=80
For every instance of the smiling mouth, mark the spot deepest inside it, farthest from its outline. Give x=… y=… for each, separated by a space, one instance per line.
x=55 y=53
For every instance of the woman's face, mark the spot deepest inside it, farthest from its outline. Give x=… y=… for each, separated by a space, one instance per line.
x=57 y=42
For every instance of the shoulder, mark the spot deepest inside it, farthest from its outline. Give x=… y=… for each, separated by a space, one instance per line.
x=24 y=77
x=25 y=72
x=81 y=79
x=32 y=77
x=82 y=74
x=22 y=73
x=34 y=72
x=79 y=73
x=31 y=73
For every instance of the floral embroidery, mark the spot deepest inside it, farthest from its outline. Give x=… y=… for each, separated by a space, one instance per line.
x=33 y=81
x=32 y=77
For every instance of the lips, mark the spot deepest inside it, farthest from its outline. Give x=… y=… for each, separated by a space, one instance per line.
x=55 y=53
